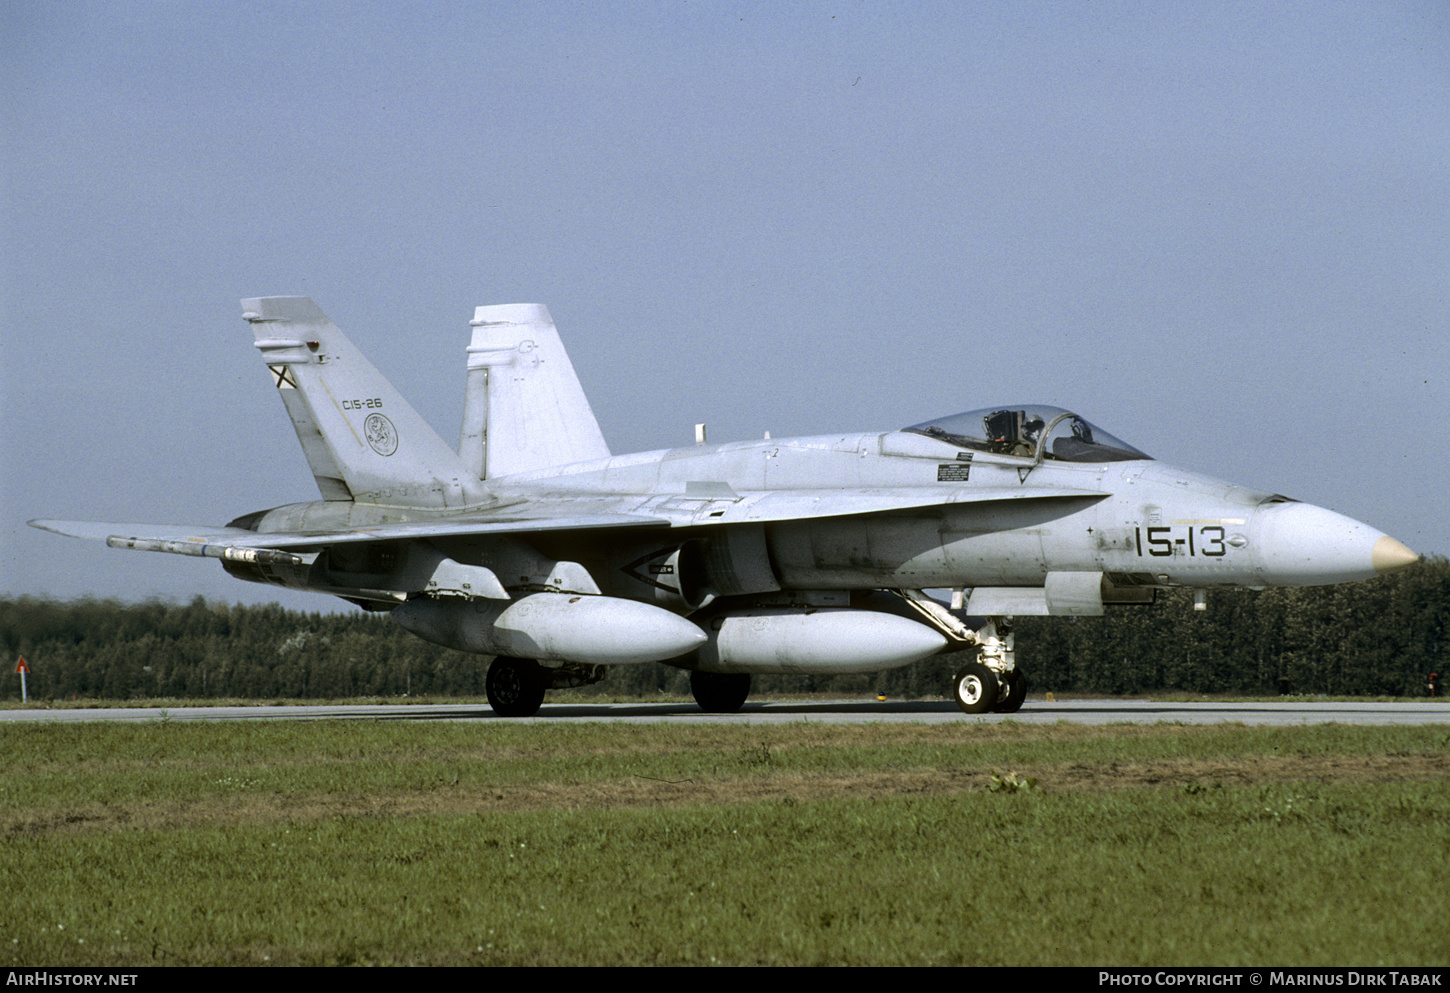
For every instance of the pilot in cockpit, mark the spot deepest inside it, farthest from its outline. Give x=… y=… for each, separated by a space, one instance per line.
x=1013 y=432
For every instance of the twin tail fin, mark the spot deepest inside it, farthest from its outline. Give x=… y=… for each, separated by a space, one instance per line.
x=524 y=409
x=363 y=441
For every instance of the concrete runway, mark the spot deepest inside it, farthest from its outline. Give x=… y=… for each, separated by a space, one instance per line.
x=817 y=711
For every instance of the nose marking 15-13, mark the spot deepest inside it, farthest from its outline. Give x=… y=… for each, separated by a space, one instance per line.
x=1180 y=539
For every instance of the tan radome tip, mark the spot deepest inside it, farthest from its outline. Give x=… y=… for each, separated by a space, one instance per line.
x=1389 y=555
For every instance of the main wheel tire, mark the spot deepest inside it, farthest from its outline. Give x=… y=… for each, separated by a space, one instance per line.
x=975 y=688
x=720 y=692
x=1009 y=700
x=515 y=687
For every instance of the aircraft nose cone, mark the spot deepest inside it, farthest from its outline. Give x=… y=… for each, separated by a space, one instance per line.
x=1389 y=555
x=1299 y=544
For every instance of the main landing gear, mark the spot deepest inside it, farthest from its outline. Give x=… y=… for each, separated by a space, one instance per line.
x=720 y=692
x=516 y=686
x=992 y=683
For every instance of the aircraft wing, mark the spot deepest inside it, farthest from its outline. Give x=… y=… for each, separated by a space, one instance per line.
x=243 y=545
x=709 y=505
x=102 y=530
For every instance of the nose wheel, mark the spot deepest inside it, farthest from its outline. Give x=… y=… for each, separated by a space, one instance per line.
x=979 y=690
x=975 y=688
x=1012 y=691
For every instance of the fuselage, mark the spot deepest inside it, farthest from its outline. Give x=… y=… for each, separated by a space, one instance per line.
x=1141 y=520
x=902 y=510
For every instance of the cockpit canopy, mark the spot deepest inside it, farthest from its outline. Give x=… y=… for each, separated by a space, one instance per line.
x=1031 y=431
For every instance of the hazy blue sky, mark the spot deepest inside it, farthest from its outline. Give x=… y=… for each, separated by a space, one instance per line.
x=1219 y=230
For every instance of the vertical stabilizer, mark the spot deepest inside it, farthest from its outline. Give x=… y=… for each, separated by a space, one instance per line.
x=363 y=441
x=524 y=408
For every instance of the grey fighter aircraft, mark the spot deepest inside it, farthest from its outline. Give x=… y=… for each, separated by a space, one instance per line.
x=534 y=545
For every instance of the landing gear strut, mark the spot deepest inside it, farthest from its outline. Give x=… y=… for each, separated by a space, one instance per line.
x=720 y=692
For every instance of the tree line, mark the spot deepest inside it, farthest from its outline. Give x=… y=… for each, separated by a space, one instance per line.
x=1381 y=637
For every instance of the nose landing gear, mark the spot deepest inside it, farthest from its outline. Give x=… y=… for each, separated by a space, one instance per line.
x=992 y=683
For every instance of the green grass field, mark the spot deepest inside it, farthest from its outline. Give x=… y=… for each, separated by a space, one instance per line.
x=433 y=843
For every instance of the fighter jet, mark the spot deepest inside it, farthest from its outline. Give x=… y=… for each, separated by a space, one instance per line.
x=534 y=545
